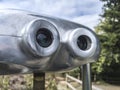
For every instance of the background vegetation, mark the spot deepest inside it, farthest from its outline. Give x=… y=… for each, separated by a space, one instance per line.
x=108 y=31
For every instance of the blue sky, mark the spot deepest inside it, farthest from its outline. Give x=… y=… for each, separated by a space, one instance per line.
x=85 y=12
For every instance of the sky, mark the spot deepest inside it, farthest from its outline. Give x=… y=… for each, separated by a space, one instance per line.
x=85 y=12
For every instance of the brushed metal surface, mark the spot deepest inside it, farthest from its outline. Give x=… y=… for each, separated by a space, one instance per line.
x=20 y=52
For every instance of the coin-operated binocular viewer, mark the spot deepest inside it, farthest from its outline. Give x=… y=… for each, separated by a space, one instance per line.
x=32 y=43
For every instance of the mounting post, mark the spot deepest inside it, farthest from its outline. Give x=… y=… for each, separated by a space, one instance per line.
x=39 y=81
x=86 y=77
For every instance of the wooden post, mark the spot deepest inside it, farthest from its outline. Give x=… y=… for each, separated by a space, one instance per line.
x=80 y=73
x=39 y=81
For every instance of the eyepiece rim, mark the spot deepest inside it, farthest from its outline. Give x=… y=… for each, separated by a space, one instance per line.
x=29 y=37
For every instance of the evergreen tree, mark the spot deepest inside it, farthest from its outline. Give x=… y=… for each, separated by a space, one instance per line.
x=109 y=34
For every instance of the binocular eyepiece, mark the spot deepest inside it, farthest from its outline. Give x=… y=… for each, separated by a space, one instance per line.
x=84 y=42
x=40 y=37
x=37 y=43
x=44 y=37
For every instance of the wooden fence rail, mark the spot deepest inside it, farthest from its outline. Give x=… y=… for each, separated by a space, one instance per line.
x=78 y=81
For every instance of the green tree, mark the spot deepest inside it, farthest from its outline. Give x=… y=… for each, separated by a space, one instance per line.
x=109 y=34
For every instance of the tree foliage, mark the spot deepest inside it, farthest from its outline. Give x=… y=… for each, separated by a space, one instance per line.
x=109 y=34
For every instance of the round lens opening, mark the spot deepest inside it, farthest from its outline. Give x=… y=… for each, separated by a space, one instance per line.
x=44 y=37
x=84 y=42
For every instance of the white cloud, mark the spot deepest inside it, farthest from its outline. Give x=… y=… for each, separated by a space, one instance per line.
x=82 y=11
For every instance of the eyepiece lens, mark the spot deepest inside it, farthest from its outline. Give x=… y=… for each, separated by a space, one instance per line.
x=83 y=42
x=44 y=37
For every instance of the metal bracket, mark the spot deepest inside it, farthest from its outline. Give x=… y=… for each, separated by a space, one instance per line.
x=86 y=77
